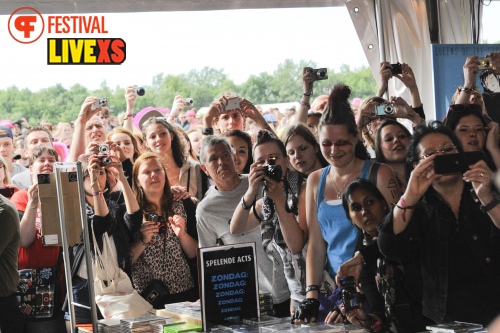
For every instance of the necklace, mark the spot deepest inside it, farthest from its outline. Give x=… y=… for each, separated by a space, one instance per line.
x=339 y=193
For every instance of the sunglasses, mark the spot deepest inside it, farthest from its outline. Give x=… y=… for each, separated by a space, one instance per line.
x=465 y=107
x=158 y=119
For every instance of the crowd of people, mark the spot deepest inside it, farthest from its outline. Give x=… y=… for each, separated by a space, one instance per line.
x=334 y=194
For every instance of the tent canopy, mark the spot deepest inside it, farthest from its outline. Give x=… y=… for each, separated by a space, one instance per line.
x=123 y=6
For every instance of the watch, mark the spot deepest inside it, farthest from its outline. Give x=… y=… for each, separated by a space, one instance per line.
x=490 y=206
x=244 y=205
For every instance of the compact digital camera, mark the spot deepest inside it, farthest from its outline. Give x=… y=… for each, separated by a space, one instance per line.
x=485 y=63
x=319 y=73
x=350 y=297
x=272 y=170
x=395 y=68
x=153 y=217
x=103 y=154
x=385 y=109
x=189 y=101
x=140 y=91
x=100 y=103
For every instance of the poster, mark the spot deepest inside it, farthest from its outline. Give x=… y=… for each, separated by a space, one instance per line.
x=228 y=282
x=447 y=67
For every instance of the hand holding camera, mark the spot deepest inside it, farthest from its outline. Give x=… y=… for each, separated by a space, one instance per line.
x=89 y=109
x=179 y=104
x=159 y=221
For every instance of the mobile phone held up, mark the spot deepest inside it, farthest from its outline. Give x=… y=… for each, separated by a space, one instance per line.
x=456 y=163
x=232 y=103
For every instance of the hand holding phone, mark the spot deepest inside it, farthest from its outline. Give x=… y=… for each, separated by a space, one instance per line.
x=457 y=163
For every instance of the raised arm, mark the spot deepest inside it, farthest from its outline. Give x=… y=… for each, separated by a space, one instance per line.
x=78 y=144
x=470 y=69
x=308 y=79
x=177 y=106
x=130 y=96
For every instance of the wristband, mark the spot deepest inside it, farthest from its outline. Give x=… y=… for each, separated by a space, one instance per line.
x=306 y=105
x=308 y=95
x=404 y=207
x=207 y=131
x=312 y=287
x=464 y=89
x=493 y=203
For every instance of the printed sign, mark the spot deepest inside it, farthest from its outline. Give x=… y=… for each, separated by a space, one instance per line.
x=228 y=280
x=447 y=66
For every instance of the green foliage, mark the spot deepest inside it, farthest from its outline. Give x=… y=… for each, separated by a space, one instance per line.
x=284 y=85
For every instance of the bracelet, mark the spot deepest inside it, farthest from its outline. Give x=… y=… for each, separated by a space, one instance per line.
x=128 y=115
x=308 y=95
x=312 y=287
x=142 y=242
x=492 y=204
x=244 y=205
x=95 y=194
x=464 y=89
x=404 y=207
x=305 y=104
x=207 y=131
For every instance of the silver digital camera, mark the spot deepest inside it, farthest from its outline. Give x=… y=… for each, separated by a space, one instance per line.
x=385 y=109
x=100 y=103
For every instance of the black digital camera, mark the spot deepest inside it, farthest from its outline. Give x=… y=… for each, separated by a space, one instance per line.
x=153 y=217
x=319 y=73
x=103 y=154
x=350 y=297
x=140 y=91
x=395 y=68
x=272 y=170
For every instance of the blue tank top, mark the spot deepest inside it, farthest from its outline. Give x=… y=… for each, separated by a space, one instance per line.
x=338 y=231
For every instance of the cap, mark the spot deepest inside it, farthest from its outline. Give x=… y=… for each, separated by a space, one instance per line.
x=5 y=132
x=7 y=123
x=190 y=113
x=141 y=119
x=270 y=118
x=356 y=101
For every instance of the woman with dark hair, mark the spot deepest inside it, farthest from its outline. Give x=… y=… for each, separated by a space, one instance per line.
x=303 y=149
x=391 y=142
x=167 y=241
x=469 y=125
x=280 y=213
x=332 y=237
x=242 y=146
x=116 y=213
x=393 y=290
x=161 y=138
x=451 y=223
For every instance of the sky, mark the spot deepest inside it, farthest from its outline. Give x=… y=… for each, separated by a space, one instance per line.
x=242 y=42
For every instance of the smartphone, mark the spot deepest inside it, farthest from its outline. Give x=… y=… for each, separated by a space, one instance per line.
x=233 y=103
x=7 y=192
x=457 y=163
x=485 y=63
x=395 y=68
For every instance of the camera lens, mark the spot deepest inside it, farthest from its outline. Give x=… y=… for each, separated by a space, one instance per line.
x=140 y=91
x=389 y=109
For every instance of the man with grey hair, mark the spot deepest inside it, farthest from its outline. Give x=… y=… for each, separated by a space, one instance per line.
x=214 y=213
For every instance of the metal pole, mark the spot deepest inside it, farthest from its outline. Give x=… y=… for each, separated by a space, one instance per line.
x=380 y=33
x=67 y=262
x=86 y=240
x=65 y=246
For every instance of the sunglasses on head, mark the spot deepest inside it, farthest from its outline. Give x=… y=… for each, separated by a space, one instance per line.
x=159 y=119
x=465 y=107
